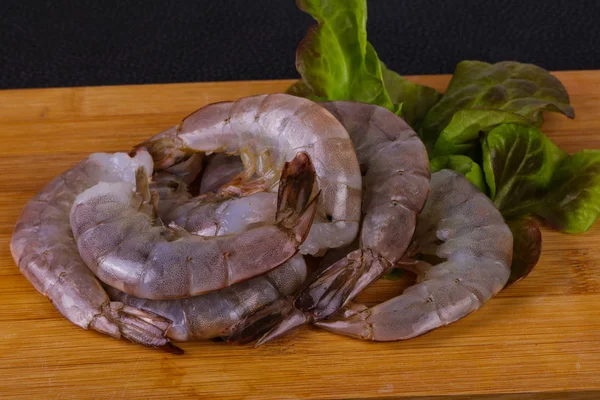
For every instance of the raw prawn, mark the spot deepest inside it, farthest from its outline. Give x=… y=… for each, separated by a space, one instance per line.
x=43 y=247
x=395 y=186
x=266 y=131
x=476 y=249
x=211 y=315
x=122 y=244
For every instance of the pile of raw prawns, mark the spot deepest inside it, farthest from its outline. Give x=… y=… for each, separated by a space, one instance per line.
x=202 y=230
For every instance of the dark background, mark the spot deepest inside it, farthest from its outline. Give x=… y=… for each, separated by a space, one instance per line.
x=97 y=42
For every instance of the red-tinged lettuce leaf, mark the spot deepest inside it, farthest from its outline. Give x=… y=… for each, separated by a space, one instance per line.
x=518 y=164
x=572 y=204
x=300 y=89
x=527 y=247
x=416 y=100
x=523 y=89
x=466 y=126
x=335 y=60
x=462 y=164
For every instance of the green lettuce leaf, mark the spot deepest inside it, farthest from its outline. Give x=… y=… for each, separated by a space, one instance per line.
x=463 y=131
x=335 y=60
x=527 y=247
x=463 y=164
x=572 y=204
x=416 y=100
x=523 y=89
x=518 y=164
x=527 y=173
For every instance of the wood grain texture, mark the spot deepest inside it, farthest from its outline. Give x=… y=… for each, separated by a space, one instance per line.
x=539 y=339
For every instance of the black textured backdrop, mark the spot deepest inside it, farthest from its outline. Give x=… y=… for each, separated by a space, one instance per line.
x=106 y=42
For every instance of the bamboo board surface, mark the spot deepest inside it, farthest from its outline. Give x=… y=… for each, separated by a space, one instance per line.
x=538 y=339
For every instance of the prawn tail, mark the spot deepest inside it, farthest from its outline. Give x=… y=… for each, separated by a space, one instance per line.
x=328 y=294
x=266 y=321
x=142 y=327
x=353 y=321
x=296 y=206
x=341 y=282
x=293 y=320
x=165 y=147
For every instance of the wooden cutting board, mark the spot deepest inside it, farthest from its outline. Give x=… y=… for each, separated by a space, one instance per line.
x=539 y=339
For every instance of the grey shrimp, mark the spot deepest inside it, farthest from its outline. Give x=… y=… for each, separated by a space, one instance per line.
x=266 y=131
x=126 y=248
x=211 y=315
x=43 y=247
x=476 y=253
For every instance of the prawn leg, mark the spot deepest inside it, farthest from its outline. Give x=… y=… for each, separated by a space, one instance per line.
x=244 y=184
